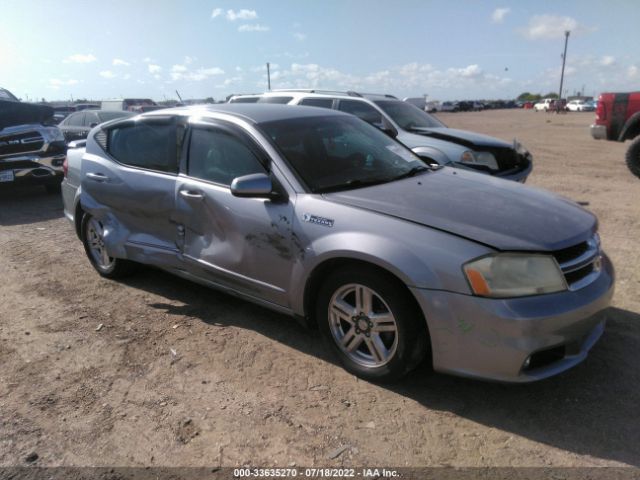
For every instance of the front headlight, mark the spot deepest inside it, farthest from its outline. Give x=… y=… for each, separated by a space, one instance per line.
x=514 y=275
x=479 y=158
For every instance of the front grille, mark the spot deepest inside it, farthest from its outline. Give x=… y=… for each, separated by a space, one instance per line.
x=580 y=263
x=21 y=143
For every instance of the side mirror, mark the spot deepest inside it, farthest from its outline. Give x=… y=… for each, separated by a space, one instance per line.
x=256 y=185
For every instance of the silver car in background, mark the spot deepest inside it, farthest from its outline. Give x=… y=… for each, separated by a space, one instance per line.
x=317 y=214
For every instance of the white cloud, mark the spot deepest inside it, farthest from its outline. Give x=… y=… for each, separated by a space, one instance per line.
x=200 y=74
x=633 y=72
x=56 y=83
x=300 y=36
x=253 y=28
x=242 y=14
x=107 y=74
x=147 y=60
x=608 y=60
x=80 y=58
x=216 y=12
x=118 y=62
x=545 y=27
x=154 y=68
x=126 y=76
x=498 y=14
x=189 y=60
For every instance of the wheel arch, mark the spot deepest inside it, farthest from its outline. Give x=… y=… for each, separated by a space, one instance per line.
x=321 y=271
x=631 y=128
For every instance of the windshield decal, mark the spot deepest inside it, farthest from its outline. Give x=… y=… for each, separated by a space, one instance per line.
x=403 y=153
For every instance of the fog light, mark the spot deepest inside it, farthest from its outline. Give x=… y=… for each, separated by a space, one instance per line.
x=526 y=363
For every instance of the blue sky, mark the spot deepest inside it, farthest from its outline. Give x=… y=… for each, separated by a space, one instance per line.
x=450 y=49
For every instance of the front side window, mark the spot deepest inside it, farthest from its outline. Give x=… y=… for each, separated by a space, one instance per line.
x=148 y=145
x=75 y=120
x=340 y=152
x=361 y=110
x=219 y=156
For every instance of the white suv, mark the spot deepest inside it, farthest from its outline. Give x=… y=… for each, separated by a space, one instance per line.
x=427 y=136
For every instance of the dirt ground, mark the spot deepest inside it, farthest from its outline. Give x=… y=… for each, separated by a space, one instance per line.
x=250 y=387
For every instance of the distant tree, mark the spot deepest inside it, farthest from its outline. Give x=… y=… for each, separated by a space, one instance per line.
x=209 y=100
x=529 y=97
x=551 y=95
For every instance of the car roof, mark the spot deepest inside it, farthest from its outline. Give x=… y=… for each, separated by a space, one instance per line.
x=253 y=112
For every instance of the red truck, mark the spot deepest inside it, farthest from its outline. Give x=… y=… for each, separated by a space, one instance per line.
x=618 y=118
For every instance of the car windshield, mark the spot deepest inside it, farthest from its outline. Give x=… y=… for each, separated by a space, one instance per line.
x=341 y=153
x=407 y=116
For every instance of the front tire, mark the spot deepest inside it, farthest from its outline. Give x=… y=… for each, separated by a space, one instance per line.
x=372 y=323
x=92 y=234
x=633 y=157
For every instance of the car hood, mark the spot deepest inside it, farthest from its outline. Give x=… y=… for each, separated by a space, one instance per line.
x=501 y=214
x=18 y=113
x=462 y=137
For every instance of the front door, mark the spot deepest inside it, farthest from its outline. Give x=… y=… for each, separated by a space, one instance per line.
x=240 y=243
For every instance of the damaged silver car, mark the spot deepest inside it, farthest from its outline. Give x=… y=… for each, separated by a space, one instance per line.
x=319 y=215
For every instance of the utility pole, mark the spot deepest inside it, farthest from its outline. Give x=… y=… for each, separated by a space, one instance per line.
x=268 y=77
x=564 y=59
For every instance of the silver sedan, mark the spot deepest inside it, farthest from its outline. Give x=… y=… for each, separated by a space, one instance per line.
x=316 y=214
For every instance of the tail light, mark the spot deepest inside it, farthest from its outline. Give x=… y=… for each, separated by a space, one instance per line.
x=601 y=111
x=65 y=167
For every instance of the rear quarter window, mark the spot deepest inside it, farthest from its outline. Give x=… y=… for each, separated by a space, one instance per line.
x=145 y=145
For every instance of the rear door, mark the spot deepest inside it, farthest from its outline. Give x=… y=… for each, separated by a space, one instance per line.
x=240 y=243
x=131 y=187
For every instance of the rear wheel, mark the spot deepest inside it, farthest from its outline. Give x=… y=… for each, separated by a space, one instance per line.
x=92 y=233
x=372 y=323
x=633 y=157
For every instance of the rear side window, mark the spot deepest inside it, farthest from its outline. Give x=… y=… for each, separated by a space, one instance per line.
x=90 y=118
x=317 y=102
x=218 y=156
x=152 y=146
x=362 y=110
x=282 y=100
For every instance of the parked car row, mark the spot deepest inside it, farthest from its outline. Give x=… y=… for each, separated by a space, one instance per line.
x=317 y=214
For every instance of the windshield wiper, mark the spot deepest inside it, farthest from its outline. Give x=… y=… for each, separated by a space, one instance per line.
x=413 y=172
x=352 y=184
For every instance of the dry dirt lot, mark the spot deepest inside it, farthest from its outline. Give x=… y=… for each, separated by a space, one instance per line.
x=247 y=386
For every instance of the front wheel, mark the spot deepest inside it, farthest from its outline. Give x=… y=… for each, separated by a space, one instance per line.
x=372 y=323
x=633 y=157
x=92 y=233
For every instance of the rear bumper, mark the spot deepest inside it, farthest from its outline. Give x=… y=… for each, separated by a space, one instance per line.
x=33 y=169
x=599 y=132
x=492 y=338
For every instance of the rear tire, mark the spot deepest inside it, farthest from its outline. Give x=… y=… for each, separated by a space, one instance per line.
x=372 y=323
x=633 y=157
x=91 y=233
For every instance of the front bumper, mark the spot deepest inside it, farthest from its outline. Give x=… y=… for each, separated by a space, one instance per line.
x=34 y=169
x=491 y=338
x=599 y=132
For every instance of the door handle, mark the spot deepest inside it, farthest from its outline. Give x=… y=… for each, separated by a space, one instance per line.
x=191 y=194
x=97 y=177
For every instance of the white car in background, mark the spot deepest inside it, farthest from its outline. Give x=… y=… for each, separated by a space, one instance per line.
x=545 y=105
x=580 y=106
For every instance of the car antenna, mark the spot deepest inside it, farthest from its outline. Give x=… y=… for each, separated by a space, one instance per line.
x=179 y=97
